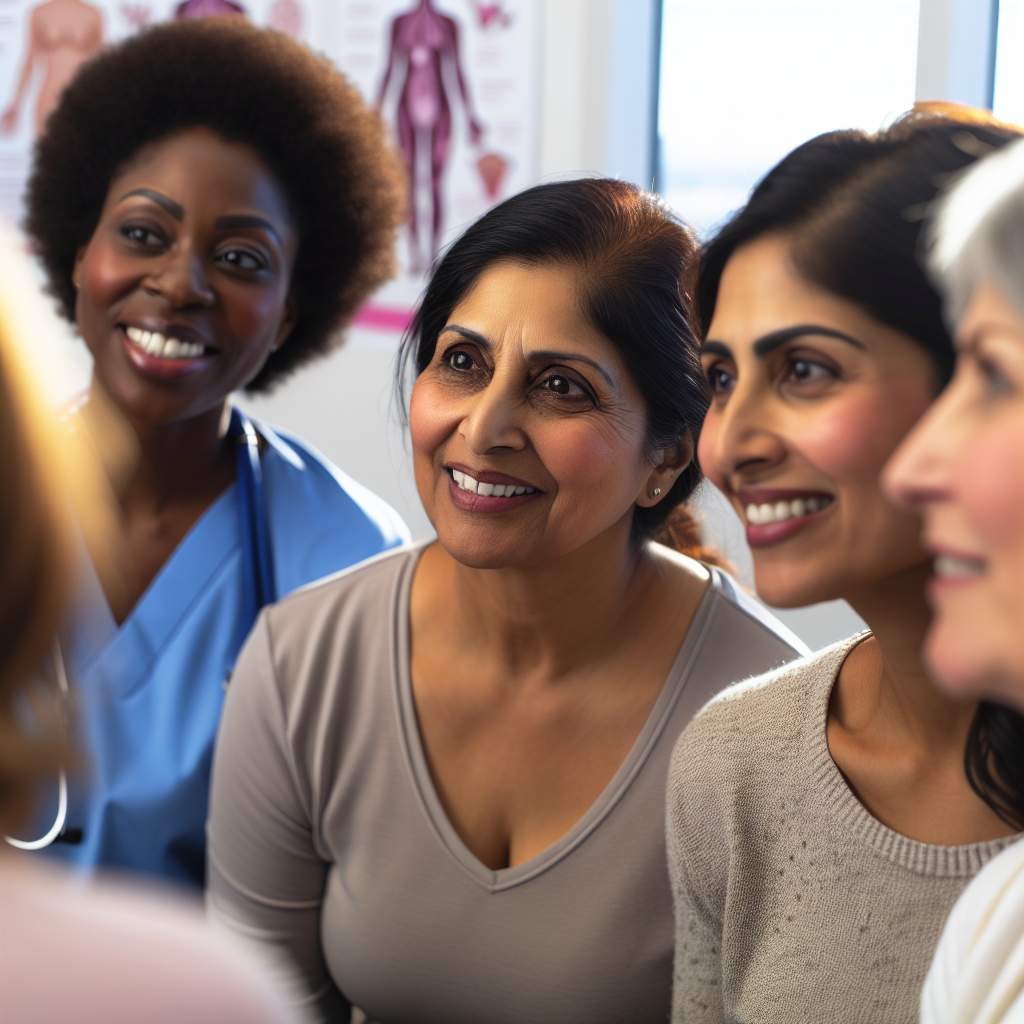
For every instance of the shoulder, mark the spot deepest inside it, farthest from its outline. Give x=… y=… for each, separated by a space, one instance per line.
x=747 y=613
x=981 y=952
x=170 y=965
x=321 y=520
x=354 y=606
x=752 y=722
x=303 y=473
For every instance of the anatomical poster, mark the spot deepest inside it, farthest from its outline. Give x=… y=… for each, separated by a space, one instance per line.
x=456 y=80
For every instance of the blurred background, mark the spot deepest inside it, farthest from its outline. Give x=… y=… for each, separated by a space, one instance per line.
x=694 y=98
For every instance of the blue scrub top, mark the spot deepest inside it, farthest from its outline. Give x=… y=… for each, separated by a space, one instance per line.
x=148 y=693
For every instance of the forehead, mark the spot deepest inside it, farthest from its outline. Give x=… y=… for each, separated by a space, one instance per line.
x=990 y=310
x=196 y=167
x=534 y=307
x=761 y=291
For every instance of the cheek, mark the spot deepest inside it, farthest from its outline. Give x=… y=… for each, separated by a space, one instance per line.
x=707 y=446
x=580 y=455
x=101 y=275
x=431 y=420
x=254 y=314
x=991 y=486
x=853 y=437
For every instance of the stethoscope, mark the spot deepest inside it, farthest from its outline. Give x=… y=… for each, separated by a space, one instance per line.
x=258 y=586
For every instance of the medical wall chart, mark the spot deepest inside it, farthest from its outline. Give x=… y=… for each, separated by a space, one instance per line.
x=456 y=80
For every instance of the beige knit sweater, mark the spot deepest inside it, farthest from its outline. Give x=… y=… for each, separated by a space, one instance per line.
x=793 y=904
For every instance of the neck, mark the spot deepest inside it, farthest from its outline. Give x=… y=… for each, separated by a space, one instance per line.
x=547 y=619
x=174 y=463
x=894 y=690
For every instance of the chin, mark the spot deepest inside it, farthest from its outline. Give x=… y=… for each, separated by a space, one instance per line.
x=965 y=668
x=791 y=590
x=481 y=552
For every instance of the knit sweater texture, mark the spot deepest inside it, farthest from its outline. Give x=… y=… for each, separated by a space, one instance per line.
x=793 y=903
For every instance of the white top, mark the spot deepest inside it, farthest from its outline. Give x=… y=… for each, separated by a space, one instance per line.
x=977 y=976
x=108 y=954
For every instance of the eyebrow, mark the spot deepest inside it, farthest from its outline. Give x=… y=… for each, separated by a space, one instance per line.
x=176 y=210
x=768 y=343
x=233 y=221
x=549 y=355
x=229 y=222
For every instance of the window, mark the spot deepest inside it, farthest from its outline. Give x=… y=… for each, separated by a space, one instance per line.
x=744 y=81
x=1008 y=93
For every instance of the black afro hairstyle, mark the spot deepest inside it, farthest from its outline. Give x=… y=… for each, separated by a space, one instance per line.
x=308 y=123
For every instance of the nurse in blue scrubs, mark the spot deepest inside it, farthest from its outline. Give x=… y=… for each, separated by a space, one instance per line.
x=211 y=202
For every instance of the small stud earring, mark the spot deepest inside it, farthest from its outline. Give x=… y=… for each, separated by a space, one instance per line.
x=656 y=492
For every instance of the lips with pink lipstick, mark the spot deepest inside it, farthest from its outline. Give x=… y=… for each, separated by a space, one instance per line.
x=772 y=515
x=474 y=490
x=165 y=351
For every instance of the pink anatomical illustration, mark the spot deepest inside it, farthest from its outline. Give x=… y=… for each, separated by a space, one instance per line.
x=423 y=56
x=137 y=15
x=206 y=9
x=286 y=16
x=491 y=15
x=61 y=34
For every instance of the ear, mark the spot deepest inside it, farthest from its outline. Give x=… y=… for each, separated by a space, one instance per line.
x=287 y=324
x=667 y=465
x=76 y=269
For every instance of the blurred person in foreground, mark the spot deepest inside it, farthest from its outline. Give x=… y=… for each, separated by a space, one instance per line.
x=109 y=954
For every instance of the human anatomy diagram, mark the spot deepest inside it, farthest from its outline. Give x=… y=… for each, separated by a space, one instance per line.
x=423 y=59
x=59 y=36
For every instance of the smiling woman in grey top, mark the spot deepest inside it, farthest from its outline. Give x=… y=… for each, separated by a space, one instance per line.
x=331 y=839
x=440 y=780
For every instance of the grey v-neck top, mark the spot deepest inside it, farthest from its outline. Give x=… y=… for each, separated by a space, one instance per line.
x=327 y=838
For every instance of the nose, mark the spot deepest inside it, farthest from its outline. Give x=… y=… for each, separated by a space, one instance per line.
x=921 y=470
x=493 y=420
x=740 y=436
x=180 y=277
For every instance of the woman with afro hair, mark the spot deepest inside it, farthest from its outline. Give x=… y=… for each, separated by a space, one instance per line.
x=211 y=202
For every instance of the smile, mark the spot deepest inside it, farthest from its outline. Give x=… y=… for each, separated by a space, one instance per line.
x=774 y=515
x=781 y=511
x=465 y=482
x=952 y=567
x=159 y=346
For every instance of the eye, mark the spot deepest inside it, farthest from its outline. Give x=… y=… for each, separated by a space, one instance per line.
x=243 y=259
x=561 y=385
x=720 y=380
x=459 y=360
x=142 y=236
x=564 y=388
x=802 y=370
x=997 y=383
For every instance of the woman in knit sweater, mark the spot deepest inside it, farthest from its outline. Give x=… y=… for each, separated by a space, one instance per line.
x=963 y=468
x=821 y=823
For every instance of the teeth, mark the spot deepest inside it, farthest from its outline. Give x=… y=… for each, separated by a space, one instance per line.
x=155 y=344
x=780 y=511
x=949 y=565
x=467 y=483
